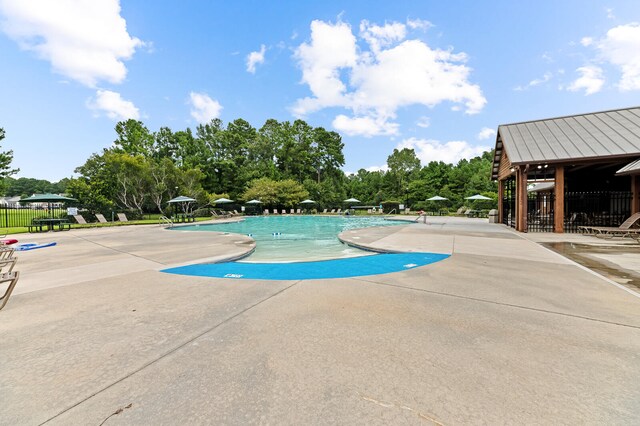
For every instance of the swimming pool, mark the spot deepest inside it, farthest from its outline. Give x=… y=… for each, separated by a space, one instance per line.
x=296 y=238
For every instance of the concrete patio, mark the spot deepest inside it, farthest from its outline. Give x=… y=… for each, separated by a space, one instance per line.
x=503 y=331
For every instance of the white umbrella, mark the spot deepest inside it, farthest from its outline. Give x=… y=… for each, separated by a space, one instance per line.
x=437 y=198
x=477 y=197
x=254 y=202
x=223 y=200
x=307 y=202
x=181 y=199
x=351 y=200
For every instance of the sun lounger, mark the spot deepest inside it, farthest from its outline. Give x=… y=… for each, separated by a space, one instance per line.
x=101 y=218
x=266 y=212
x=339 y=211
x=624 y=230
x=333 y=211
x=324 y=211
x=275 y=211
x=298 y=211
x=122 y=217
x=80 y=220
x=11 y=279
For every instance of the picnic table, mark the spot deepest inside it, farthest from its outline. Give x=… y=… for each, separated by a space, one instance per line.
x=38 y=225
x=183 y=218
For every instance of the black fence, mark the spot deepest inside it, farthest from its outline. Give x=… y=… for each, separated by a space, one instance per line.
x=601 y=208
x=540 y=216
x=509 y=203
x=11 y=217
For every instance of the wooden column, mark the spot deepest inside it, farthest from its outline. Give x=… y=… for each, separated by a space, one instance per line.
x=558 y=208
x=521 y=199
x=635 y=191
x=500 y=197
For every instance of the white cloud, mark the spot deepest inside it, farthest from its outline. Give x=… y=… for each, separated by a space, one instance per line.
x=420 y=24
x=84 y=40
x=382 y=36
x=535 y=82
x=586 y=41
x=590 y=80
x=423 y=122
x=364 y=126
x=112 y=104
x=610 y=14
x=203 y=108
x=383 y=168
x=486 y=133
x=451 y=152
x=255 y=58
x=373 y=84
x=621 y=47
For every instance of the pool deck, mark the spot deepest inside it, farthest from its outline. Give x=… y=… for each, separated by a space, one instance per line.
x=503 y=331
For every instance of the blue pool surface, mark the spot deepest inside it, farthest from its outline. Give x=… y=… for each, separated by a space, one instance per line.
x=296 y=238
x=336 y=268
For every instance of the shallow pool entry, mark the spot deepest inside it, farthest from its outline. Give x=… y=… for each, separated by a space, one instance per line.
x=337 y=268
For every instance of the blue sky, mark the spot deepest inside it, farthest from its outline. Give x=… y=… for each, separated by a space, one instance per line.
x=438 y=77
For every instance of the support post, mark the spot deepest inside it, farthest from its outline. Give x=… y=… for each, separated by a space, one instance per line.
x=500 y=200
x=521 y=199
x=558 y=208
x=635 y=194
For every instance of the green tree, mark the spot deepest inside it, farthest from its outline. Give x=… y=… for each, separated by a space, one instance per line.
x=402 y=165
x=6 y=158
x=133 y=138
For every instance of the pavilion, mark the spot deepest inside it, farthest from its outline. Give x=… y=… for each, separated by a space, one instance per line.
x=589 y=163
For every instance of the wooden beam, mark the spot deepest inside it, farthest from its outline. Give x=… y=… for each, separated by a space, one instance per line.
x=521 y=199
x=500 y=200
x=558 y=208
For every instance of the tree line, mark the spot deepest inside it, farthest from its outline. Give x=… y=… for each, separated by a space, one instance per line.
x=280 y=163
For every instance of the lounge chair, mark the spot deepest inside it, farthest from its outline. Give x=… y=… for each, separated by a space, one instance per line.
x=291 y=211
x=624 y=230
x=80 y=220
x=275 y=211
x=101 y=218
x=266 y=212
x=324 y=211
x=10 y=278
x=298 y=211
x=122 y=217
x=339 y=211
x=333 y=211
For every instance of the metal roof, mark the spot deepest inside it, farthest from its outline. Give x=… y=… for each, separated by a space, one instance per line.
x=630 y=169
x=614 y=133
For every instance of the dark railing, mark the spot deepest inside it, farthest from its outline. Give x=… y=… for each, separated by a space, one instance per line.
x=509 y=203
x=601 y=208
x=11 y=217
x=540 y=212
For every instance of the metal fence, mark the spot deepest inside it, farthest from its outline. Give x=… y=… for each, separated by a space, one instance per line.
x=599 y=208
x=540 y=217
x=11 y=217
x=509 y=203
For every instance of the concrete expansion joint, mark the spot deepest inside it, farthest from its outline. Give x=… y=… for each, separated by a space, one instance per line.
x=493 y=302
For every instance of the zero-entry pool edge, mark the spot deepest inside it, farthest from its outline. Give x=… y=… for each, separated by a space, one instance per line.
x=378 y=264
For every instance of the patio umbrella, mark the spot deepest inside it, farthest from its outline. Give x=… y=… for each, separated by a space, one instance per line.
x=254 y=202
x=477 y=197
x=437 y=198
x=307 y=202
x=351 y=200
x=182 y=200
x=47 y=198
x=222 y=201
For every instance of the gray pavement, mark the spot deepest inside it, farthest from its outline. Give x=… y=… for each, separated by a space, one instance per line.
x=504 y=331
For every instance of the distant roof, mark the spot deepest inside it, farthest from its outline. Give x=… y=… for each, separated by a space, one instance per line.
x=614 y=133
x=630 y=169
